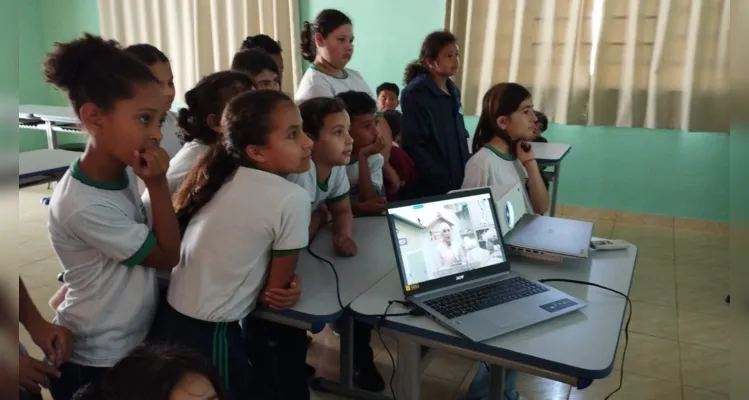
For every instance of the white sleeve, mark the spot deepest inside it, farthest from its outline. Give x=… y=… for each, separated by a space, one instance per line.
x=109 y=230
x=291 y=229
x=376 y=163
x=340 y=186
x=476 y=176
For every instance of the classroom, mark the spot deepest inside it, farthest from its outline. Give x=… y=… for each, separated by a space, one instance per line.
x=634 y=147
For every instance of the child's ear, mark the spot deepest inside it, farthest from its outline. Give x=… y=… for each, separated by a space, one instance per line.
x=502 y=122
x=92 y=117
x=255 y=153
x=317 y=37
x=214 y=122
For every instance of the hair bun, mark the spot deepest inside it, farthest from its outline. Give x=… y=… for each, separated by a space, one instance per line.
x=66 y=66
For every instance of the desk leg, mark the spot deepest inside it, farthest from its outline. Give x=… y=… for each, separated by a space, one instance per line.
x=51 y=135
x=553 y=205
x=496 y=382
x=346 y=328
x=408 y=383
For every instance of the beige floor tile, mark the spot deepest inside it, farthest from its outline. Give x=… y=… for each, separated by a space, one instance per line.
x=705 y=368
x=432 y=388
x=40 y=273
x=685 y=237
x=654 y=320
x=535 y=388
x=592 y=214
x=645 y=219
x=702 y=288
x=704 y=329
x=634 y=387
x=696 y=254
x=462 y=391
x=651 y=241
x=449 y=367
x=649 y=356
x=691 y=393
x=34 y=250
x=701 y=225
x=654 y=284
x=603 y=228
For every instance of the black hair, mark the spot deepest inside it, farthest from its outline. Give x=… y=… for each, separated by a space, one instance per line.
x=314 y=112
x=394 y=118
x=358 y=103
x=501 y=99
x=391 y=87
x=263 y=42
x=93 y=70
x=208 y=97
x=542 y=119
x=430 y=49
x=147 y=53
x=325 y=22
x=247 y=120
x=253 y=62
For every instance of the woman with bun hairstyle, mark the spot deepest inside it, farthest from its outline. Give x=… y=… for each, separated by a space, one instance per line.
x=328 y=44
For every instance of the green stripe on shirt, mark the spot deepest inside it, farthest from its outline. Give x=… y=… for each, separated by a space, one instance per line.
x=284 y=253
x=142 y=252
x=337 y=199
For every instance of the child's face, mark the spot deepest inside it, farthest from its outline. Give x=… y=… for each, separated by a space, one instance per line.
x=131 y=125
x=447 y=62
x=387 y=100
x=338 y=47
x=267 y=80
x=521 y=124
x=288 y=149
x=279 y=62
x=537 y=129
x=194 y=387
x=364 y=130
x=334 y=144
x=163 y=72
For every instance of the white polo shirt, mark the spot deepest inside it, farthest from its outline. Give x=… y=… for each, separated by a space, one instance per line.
x=182 y=163
x=490 y=167
x=316 y=83
x=99 y=233
x=170 y=133
x=228 y=245
x=333 y=190
x=375 y=162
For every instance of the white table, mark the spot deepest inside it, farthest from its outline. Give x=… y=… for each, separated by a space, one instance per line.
x=551 y=155
x=576 y=348
x=41 y=166
x=51 y=119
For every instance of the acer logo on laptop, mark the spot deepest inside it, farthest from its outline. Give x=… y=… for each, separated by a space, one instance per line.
x=459 y=277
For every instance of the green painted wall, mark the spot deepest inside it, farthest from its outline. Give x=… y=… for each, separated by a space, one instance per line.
x=663 y=172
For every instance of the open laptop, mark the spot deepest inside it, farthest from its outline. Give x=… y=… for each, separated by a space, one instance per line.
x=452 y=264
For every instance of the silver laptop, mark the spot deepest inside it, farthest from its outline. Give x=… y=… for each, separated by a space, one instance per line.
x=453 y=265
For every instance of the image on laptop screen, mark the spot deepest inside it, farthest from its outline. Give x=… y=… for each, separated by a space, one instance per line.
x=446 y=237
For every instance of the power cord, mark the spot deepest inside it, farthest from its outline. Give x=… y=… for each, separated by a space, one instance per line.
x=626 y=326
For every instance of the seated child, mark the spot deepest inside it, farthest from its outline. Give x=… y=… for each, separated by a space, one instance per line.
x=398 y=160
x=265 y=42
x=365 y=178
x=387 y=96
x=542 y=123
x=157 y=372
x=260 y=67
x=327 y=123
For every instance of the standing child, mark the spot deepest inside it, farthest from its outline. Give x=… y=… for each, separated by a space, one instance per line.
x=365 y=169
x=233 y=255
x=434 y=133
x=327 y=123
x=158 y=62
x=387 y=96
x=260 y=67
x=265 y=42
x=97 y=223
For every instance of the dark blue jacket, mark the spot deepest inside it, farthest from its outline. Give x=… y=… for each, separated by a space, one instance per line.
x=434 y=135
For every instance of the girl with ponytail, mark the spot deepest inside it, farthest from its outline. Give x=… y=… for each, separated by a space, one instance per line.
x=434 y=133
x=501 y=145
x=328 y=45
x=243 y=226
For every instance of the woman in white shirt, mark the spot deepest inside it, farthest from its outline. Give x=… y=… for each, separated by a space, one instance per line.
x=328 y=44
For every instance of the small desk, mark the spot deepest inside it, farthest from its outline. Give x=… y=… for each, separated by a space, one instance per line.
x=551 y=155
x=575 y=349
x=42 y=166
x=51 y=119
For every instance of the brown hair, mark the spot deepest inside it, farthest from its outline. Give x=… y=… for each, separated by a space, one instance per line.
x=501 y=99
x=430 y=49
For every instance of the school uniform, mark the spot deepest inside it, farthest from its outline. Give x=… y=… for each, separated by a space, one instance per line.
x=489 y=167
x=330 y=191
x=172 y=137
x=316 y=83
x=434 y=135
x=375 y=162
x=226 y=250
x=404 y=166
x=99 y=233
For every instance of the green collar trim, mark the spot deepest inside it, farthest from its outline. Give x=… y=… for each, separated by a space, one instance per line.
x=77 y=173
x=499 y=153
x=323 y=185
x=345 y=73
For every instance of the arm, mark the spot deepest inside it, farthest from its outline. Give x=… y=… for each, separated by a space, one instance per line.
x=343 y=217
x=537 y=191
x=291 y=236
x=28 y=314
x=165 y=227
x=367 y=178
x=318 y=219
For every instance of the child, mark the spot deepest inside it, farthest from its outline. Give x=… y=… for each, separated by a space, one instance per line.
x=97 y=223
x=328 y=44
x=158 y=372
x=233 y=256
x=365 y=178
x=387 y=96
x=434 y=133
x=501 y=155
x=327 y=123
x=162 y=70
x=260 y=67
x=398 y=160
x=542 y=122
x=265 y=42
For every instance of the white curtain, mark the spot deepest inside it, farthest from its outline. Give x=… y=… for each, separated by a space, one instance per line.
x=201 y=36
x=630 y=63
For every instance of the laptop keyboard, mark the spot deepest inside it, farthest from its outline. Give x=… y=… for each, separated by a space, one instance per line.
x=457 y=304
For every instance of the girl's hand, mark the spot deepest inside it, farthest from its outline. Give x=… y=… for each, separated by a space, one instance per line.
x=56 y=341
x=377 y=146
x=373 y=206
x=524 y=152
x=33 y=374
x=151 y=164
x=280 y=299
x=344 y=245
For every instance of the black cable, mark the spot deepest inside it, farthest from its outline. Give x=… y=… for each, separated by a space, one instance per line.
x=392 y=359
x=626 y=326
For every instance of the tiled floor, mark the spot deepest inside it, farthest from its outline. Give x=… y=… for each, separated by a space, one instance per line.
x=678 y=336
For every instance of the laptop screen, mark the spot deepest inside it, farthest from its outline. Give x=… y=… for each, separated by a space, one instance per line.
x=448 y=238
